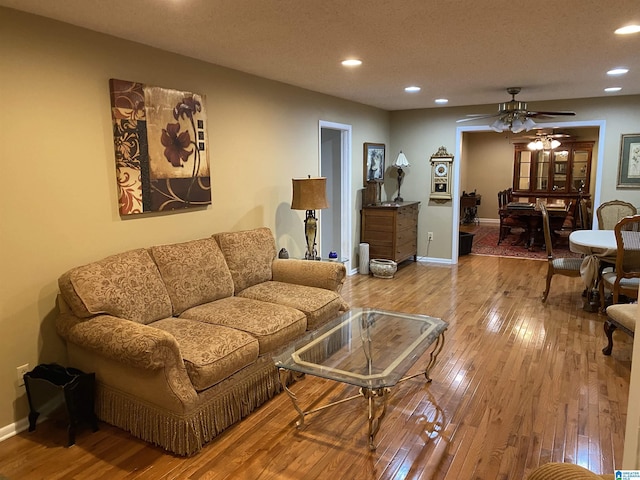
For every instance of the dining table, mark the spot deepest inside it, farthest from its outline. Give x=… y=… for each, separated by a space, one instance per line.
x=597 y=246
x=531 y=217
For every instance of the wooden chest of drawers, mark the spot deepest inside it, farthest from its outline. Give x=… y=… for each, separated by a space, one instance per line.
x=391 y=230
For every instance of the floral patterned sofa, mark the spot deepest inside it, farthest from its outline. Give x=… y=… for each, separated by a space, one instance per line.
x=180 y=336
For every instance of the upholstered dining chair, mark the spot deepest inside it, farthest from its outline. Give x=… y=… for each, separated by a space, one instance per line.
x=625 y=279
x=610 y=213
x=569 y=267
x=623 y=317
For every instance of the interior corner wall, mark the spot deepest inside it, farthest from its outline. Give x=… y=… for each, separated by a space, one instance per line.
x=58 y=202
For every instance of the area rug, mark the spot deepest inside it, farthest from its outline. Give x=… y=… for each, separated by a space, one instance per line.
x=485 y=242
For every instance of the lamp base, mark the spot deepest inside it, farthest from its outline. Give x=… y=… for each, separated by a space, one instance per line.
x=310 y=229
x=400 y=177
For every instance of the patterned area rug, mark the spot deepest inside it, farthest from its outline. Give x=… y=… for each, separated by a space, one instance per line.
x=485 y=242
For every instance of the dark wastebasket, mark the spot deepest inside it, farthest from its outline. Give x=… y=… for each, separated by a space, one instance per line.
x=465 y=243
x=76 y=388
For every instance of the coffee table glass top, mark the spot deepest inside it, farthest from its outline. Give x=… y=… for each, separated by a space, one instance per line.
x=365 y=347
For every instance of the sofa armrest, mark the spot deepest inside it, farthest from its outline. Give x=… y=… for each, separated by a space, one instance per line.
x=327 y=275
x=131 y=343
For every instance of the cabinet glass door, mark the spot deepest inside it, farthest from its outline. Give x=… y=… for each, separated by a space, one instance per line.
x=524 y=170
x=542 y=171
x=580 y=170
x=560 y=170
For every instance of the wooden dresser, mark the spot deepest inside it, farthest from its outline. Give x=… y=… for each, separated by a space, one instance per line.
x=391 y=230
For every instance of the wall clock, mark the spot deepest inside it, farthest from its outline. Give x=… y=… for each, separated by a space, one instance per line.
x=441 y=175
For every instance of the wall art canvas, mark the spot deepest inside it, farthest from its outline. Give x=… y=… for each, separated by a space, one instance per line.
x=161 y=148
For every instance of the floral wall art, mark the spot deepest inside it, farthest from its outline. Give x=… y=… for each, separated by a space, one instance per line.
x=161 y=148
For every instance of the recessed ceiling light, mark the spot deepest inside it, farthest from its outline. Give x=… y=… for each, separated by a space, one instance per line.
x=412 y=89
x=612 y=89
x=441 y=101
x=628 y=29
x=618 y=71
x=352 y=62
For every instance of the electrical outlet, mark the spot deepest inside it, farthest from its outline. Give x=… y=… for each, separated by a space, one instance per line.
x=429 y=236
x=20 y=372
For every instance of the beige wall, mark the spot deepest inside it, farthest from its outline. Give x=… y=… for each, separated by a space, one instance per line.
x=487 y=166
x=58 y=201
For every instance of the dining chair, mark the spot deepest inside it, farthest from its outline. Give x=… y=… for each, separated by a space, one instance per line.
x=569 y=267
x=625 y=278
x=623 y=317
x=507 y=221
x=610 y=213
x=583 y=214
x=561 y=227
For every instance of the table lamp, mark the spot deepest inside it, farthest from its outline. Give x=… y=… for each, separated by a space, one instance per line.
x=310 y=194
x=400 y=163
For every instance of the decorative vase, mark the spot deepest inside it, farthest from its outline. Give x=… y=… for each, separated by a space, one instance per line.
x=382 y=268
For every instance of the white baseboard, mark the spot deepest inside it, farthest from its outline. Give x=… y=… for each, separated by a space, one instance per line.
x=23 y=424
x=443 y=261
x=13 y=429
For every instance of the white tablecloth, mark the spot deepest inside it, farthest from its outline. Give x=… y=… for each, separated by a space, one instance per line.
x=596 y=245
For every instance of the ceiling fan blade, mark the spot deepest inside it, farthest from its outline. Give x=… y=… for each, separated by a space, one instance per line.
x=553 y=114
x=476 y=117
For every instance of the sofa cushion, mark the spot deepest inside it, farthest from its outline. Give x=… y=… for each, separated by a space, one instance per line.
x=249 y=255
x=273 y=325
x=318 y=304
x=211 y=353
x=126 y=285
x=194 y=272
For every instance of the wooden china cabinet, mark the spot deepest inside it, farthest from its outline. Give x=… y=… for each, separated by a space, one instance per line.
x=563 y=173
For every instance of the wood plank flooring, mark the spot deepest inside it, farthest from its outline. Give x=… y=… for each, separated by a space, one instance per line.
x=518 y=384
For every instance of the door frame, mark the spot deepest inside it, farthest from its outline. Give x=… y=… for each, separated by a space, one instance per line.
x=346 y=207
x=455 y=211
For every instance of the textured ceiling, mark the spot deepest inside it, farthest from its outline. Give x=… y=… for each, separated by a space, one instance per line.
x=466 y=51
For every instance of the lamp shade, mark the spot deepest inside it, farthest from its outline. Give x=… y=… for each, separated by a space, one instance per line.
x=309 y=193
x=401 y=161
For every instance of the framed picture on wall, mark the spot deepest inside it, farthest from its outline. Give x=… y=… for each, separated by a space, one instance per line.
x=373 y=162
x=629 y=166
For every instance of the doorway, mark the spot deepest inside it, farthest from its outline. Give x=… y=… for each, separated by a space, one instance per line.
x=598 y=125
x=335 y=164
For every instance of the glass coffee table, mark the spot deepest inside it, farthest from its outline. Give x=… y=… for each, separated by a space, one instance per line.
x=370 y=348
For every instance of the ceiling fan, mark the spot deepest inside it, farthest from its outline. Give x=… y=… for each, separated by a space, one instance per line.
x=514 y=115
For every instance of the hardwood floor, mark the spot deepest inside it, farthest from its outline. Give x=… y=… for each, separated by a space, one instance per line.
x=518 y=384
